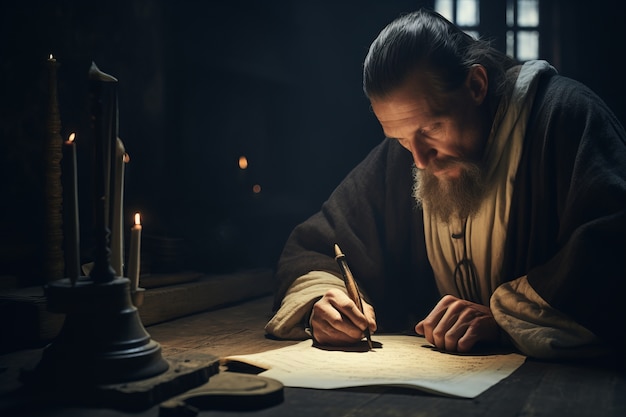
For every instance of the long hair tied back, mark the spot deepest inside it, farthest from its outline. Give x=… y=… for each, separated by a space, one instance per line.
x=428 y=40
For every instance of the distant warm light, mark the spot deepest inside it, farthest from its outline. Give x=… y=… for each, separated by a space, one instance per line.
x=243 y=162
x=256 y=188
x=126 y=159
x=71 y=137
x=137 y=219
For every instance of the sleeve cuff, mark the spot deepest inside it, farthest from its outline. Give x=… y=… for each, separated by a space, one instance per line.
x=291 y=319
x=536 y=328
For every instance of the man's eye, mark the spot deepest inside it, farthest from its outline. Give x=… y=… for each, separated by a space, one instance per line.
x=403 y=142
x=431 y=131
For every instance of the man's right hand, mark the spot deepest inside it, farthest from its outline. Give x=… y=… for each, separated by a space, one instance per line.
x=337 y=320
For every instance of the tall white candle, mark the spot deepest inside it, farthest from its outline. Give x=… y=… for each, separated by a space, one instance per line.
x=134 y=256
x=117 y=226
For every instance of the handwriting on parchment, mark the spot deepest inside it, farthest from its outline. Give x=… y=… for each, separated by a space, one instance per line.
x=402 y=360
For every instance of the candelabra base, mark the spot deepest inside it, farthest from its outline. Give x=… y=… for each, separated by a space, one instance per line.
x=186 y=372
x=102 y=340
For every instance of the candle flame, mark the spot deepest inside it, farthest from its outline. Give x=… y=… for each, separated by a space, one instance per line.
x=137 y=219
x=126 y=159
x=71 y=137
x=243 y=162
x=51 y=57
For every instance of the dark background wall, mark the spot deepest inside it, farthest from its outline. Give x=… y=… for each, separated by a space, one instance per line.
x=201 y=83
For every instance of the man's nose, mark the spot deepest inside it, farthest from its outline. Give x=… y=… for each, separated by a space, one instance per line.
x=422 y=153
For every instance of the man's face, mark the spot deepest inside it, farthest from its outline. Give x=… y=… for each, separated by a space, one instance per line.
x=445 y=135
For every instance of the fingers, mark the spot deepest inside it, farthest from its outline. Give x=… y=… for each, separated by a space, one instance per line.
x=433 y=327
x=483 y=328
x=368 y=310
x=457 y=325
x=337 y=320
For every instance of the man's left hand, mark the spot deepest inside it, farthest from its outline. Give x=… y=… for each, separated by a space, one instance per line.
x=456 y=325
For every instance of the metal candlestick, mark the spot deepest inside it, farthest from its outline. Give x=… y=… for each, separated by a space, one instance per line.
x=102 y=340
x=103 y=101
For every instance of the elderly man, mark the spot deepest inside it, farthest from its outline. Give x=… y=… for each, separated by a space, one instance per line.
x=494 y=211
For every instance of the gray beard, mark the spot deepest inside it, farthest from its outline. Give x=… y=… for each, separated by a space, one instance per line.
x=446 y=198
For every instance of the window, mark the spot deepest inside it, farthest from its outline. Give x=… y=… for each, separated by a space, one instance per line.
x=521 y=34
x=464 y=13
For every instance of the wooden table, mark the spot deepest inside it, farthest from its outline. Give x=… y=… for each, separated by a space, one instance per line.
x=537 y=388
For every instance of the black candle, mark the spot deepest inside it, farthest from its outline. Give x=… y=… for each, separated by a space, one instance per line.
x=71 y=232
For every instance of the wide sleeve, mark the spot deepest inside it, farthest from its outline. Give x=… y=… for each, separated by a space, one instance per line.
x=537 y=329
x=290 y=321
x=568 y=223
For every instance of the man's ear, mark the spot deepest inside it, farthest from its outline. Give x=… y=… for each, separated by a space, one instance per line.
x=477 y=83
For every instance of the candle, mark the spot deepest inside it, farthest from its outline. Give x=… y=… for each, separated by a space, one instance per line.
x=53 y=259
x=243 y=162
x=117 y=225
x=134 y=256
x=71 y=233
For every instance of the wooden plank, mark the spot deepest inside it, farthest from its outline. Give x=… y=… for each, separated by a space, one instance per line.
x=161 y=280
x=209 y=292
x=231 y=330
